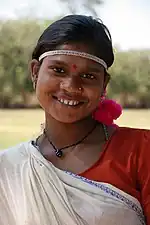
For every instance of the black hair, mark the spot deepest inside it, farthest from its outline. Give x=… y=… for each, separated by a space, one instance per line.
x=77 y=29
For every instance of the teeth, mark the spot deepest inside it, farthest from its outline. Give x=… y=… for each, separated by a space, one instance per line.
x=71 y=102
x=68 y=102
x=75 y=103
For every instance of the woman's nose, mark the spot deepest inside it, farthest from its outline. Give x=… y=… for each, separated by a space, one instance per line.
x=72 y=85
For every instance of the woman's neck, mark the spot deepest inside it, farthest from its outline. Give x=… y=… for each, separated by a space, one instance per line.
x=62 y=134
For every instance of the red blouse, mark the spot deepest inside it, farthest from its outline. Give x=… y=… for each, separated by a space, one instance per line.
x=125 y=163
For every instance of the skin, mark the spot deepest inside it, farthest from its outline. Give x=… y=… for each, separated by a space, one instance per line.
x=72 y=78
x=74 y=68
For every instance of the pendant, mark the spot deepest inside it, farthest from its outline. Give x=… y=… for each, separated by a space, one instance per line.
x=59 y=153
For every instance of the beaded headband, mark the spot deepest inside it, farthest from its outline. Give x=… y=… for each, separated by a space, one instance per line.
x=74 y=53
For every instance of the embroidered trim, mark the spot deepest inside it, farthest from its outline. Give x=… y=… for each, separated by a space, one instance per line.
x=113 y=193
x=74 y=53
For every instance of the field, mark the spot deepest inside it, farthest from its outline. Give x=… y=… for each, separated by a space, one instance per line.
x=22 y=125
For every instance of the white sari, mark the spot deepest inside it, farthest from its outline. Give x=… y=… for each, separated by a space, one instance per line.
x=34 y=192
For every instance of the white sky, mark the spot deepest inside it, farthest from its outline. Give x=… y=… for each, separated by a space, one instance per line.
x=127 y=20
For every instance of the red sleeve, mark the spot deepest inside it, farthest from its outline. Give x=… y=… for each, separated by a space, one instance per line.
x=143 y=172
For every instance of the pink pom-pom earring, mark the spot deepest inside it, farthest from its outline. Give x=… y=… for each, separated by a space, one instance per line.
x=107 y=111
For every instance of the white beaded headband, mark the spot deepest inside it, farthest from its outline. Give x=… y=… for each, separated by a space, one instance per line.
x=74 y=53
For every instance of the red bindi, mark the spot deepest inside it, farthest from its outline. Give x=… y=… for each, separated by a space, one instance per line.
x=74 y=67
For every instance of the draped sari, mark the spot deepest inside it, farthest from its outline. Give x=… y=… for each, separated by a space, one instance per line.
x=34 y=192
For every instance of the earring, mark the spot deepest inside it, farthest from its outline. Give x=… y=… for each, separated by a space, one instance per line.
x=34 y=85
x=34 y=81
x=103 y=96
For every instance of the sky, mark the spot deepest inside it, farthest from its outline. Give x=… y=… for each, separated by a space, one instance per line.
x=127 y=20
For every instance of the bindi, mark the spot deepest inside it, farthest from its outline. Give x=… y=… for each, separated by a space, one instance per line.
x=73 y=67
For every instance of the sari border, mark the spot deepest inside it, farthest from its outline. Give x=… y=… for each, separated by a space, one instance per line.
x=113 y=193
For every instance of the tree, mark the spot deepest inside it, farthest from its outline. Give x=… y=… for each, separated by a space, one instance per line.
x=131 y=78
x=15 y=51
x=87 y=5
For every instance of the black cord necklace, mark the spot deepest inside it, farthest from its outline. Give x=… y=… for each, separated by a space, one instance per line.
x=59 y=152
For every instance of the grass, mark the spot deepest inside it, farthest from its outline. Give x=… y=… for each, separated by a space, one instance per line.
x=21 y=125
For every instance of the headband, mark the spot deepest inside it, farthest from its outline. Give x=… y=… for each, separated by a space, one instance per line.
x=74 y=53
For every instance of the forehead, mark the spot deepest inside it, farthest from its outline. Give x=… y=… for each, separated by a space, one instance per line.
x=73 y=61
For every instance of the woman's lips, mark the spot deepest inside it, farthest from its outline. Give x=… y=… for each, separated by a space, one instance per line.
x=69 y=101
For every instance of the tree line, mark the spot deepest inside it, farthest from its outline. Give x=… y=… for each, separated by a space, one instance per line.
x=130 y=74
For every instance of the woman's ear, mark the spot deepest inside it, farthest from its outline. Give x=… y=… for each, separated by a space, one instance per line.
x=34 y=71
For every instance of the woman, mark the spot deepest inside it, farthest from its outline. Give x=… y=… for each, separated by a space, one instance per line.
x=82 y=169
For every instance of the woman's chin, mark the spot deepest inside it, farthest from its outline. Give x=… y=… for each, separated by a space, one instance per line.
x=67 y=114
x=65 y=119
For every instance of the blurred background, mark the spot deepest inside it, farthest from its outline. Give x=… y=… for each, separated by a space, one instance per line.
x=22 y=22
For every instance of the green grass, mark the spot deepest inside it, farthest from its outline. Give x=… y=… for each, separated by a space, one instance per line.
x=21 y=125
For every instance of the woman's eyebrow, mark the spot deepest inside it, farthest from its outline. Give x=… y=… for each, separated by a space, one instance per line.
x=58 y=62
x=95 y=69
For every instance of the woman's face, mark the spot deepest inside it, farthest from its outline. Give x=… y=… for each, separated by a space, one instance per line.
x=69 y=87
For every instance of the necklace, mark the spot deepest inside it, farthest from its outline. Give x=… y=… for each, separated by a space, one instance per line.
x=59 y=152
x=105 y=132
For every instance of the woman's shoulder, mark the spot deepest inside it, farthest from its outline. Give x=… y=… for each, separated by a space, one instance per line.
x=14 y=155
x=130 y=143
x=133 y=132
x=132 y=136
x=13 y=164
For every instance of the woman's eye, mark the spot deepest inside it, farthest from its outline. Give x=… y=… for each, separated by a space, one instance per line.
x=88 y=76
x=58 y=70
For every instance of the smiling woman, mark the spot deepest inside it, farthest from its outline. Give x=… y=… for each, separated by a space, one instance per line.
x=82 y=169
x=58 y=85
